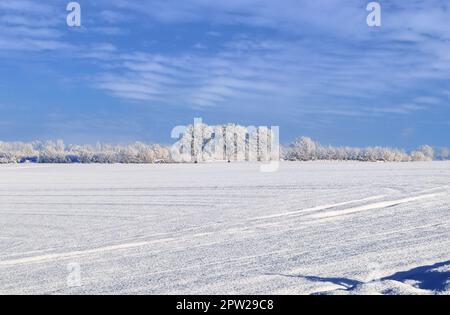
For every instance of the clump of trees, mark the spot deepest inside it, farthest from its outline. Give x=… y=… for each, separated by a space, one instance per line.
x=305 y=149
x=230 y=142
x=58 y=152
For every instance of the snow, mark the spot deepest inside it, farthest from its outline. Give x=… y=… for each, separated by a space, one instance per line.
x=226 y=228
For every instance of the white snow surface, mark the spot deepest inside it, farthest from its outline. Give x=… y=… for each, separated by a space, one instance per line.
x=310 y=228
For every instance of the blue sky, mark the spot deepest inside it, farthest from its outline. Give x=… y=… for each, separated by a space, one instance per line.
x=135 y=69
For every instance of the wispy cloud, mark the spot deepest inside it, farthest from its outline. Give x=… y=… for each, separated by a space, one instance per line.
x=337 y=57
x=292 y=58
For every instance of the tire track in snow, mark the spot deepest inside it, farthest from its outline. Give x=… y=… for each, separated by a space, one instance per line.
x=373 y=206
x=318 y=208
x=57 y=256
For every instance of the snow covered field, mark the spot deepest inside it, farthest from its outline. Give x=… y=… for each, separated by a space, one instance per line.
x=310 y=228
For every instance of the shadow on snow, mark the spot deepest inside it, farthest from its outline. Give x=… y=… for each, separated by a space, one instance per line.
x=425 y=277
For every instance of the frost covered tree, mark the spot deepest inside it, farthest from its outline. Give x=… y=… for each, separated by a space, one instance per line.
x=303 y=149
x=417 y=156
x=444 y=154
x=427 y=151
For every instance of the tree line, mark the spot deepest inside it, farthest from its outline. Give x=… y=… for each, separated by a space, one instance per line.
x=237 y=146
